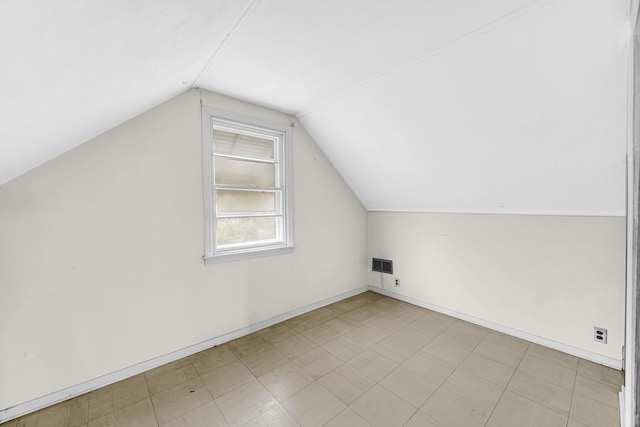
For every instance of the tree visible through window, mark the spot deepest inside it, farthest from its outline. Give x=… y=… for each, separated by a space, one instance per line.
x=247 y=193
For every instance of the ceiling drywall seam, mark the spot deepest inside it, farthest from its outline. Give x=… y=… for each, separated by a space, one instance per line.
x=246 y=14
x=424 y=57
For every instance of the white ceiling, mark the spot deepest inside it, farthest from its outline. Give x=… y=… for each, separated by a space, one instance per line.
x=73 y=69
x=439 y=105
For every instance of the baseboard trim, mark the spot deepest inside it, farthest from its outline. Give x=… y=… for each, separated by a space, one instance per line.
x=21 y=409
x=565 y=348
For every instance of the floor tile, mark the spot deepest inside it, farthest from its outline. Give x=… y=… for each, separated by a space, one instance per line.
x=274 y=417
x=245 y=403
x=541 y=391
x=322 y=314
x=507 y=341
x=302 y=323
x=417 y=379
x=318 y=363
x=563 y=359
x=347 y=305
x=446 y=350
x=344 y=347
x=248 y=345
x=548 y=371
x=373 y=365
x=321 y=333
x=385 y=304
x=222 y=380
x=366 y=335
x=574 y=423
x=71 y=413
x=381 y=408
x=207 y=415
x=596 y=390
x=313 y=406
x=347 y=418
x=177 y=401
x=600 y=373
x=117 y=396
x=402 y=345
x=276 y=333
x=408 y=313
x=211 y=359
x=420 y=419
x=359 y=316
x=368 y=297
x=346 y=384
x=468 y=329
x=295 y=346
x=139 y=414
x=170 y=375
x=489 y=369
x=460 y=338
x=502 y=348
x=264 y=361
x=387 y=322
x=593 y=413
x=514 y=410
x=285 y=381
x=431 y=322
x=342 y=325
x=463 y=399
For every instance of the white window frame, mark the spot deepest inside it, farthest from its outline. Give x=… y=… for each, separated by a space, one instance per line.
x=283 y=135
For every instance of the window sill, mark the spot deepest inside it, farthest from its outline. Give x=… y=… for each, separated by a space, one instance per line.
x=246 y=254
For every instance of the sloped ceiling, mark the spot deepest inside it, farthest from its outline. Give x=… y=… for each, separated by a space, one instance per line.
x=440 y=105
x=73 y=69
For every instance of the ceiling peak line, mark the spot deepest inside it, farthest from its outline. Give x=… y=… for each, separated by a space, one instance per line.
x=469 y=35
x=245 y=15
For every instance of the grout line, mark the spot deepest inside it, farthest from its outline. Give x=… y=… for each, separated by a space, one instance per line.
x=457 y=366
x=570 y=406
x=509 y=382
x=206 y=388
x=88 y=397
x=420 y=350
x=542 y=404
x=153 y=406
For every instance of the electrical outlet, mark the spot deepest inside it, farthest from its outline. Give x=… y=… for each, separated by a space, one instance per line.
x=600 y=335
x=396 y=283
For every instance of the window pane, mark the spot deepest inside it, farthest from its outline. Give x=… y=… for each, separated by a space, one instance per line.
x=245 y=201
x=236 y=144
x=240 y=172
x=245 y=230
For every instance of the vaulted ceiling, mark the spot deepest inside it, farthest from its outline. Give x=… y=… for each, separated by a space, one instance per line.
x=433 y=105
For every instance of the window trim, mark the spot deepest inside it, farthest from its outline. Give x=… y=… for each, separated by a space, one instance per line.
x=211 y=116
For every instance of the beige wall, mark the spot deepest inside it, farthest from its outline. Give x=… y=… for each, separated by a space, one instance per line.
x=100 y=252
x=100 y=257
x=555 y=277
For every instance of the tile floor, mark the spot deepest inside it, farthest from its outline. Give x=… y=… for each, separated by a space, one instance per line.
x=365 y=361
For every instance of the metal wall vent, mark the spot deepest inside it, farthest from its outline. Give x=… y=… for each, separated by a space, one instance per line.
x=382 y=265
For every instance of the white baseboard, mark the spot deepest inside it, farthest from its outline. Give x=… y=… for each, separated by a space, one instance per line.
x=93 y=384
x=574 y=351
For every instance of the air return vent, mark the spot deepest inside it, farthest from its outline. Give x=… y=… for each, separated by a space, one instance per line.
x=382 y=265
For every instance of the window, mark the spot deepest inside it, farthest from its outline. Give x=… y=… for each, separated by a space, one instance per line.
x=247 y=182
